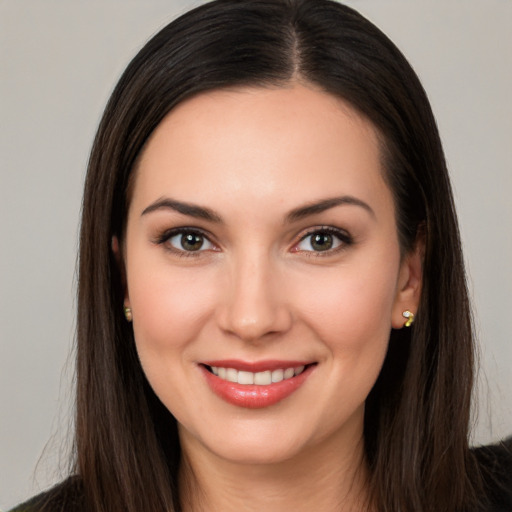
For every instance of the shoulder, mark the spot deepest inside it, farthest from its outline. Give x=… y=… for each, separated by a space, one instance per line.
x=64 y=497
x=495 y=464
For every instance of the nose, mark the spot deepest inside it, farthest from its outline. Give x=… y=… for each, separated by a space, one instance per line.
x=254 y=305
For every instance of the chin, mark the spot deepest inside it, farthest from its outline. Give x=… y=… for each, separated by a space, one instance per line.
x=258 y=452
x=249 y=443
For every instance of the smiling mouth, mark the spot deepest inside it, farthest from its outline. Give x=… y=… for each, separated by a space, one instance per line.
x=255 y=385
x=263 y=378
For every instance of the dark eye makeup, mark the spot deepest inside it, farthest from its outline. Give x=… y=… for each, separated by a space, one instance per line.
x=185 y=241
x=317 y=241
x=323 y=241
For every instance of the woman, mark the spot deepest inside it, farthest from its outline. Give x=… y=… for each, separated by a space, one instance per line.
x=272 y=305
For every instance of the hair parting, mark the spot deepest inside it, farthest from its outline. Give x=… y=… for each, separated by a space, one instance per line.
x=417 y=415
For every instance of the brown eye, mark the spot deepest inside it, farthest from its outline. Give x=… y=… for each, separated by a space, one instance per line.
x=324 y=240
x=189 y=241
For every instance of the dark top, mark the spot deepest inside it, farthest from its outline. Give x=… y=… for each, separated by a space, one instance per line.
x=495 y=463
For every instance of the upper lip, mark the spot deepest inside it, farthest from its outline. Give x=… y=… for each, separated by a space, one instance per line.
x=256 y=366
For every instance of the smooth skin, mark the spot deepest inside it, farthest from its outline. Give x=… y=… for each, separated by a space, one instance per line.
x=243 y=271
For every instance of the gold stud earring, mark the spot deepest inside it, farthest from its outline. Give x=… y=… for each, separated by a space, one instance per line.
x=409 y=316
x=128 y=313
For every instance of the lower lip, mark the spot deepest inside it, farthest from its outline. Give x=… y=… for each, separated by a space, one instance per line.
x=252 y=396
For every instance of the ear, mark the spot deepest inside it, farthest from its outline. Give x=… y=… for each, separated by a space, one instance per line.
x=409 y=285
x=118 y=254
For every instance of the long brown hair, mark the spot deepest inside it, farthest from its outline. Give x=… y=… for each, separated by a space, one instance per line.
x=417 y=415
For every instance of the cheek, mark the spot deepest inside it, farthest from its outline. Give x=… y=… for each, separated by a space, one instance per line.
x=350 y=306
x=168 y=304
x=169 y=310
x=350 y=312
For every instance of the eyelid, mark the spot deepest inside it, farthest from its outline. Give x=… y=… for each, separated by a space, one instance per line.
x=167 y=234
x=342 y=235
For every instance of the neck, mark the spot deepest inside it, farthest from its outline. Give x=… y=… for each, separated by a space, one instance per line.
x=322 y=479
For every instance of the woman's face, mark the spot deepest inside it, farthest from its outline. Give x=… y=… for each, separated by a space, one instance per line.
x=261 y=246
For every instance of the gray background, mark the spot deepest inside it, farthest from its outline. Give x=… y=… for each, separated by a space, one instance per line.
x=59 y=61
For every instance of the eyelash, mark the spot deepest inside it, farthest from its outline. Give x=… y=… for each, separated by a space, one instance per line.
x=164 y=237
x=344 y=238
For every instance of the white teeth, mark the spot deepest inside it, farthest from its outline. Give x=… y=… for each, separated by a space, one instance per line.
x=298 y=370
x=260 y=378
x=263 y=378
x=245 y=377
x=288 y=373
x=231 y=375
x=277 y=375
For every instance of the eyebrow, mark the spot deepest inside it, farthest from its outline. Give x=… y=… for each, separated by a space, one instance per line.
x=326 y=204
x=200 y=212
x=192 y=210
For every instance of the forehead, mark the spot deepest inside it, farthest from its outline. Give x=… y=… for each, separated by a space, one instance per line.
x=283 y=144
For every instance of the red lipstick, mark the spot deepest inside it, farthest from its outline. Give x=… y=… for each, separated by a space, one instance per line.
x=256 y=366
x=255 y=396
